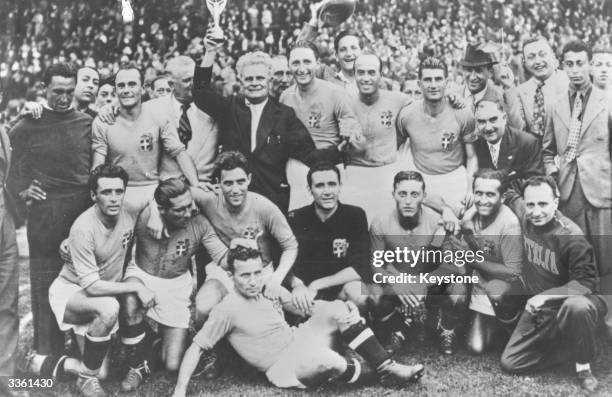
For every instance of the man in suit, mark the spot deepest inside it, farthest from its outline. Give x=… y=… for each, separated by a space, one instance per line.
x=477 y=68
x=266 y=132
x=501 y=147
x=9 y=272
x=578 y=133
x=538 y=94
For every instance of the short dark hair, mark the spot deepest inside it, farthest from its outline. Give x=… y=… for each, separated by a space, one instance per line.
x=110 y=80
x=432 y=63
x=576 y=46
x=342 y=35
x=169 y=189
x=130 y=66
x=408 y=176
x=602 y=50
x=242 y=254
x=89 y=67
x=539 y=180
x=228 y=161
x=322 y=166
x=63 y=69
x=106 y=171
x=489 y=173
x=498 y=103
x=533 y=39
x=305 y=44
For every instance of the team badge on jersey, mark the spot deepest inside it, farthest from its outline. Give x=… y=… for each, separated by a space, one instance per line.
x=126 y=238
x=146 y=142
x=314 y=119
x=252 y=232
x=182 y=247
x=386 y=118
x=447 y=140
x=489 y=248
x=340 y=247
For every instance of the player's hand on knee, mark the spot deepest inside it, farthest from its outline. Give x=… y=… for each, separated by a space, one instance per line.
x=107 y=114
x=146 y=296
x=351 y=316
x=303 y=299
x=64 y=252
x=450 y=221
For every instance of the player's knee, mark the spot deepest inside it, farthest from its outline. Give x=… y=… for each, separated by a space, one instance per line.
x=130 y=306
x=352 y=291
x=107 y=310
x=576 y=306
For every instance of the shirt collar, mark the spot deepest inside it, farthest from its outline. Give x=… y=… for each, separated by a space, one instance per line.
x=585 y=92
x=255 y=105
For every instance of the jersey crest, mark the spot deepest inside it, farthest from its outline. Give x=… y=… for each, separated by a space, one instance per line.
x=447 y=140
x=146 y=142
x=314 y=119
x=340 y=247
x=386 y=118
x=126 y=238
x=252 y=232
x=182 y=247
x=489 y=248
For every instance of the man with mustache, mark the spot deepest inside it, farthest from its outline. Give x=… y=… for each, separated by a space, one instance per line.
x=477 y=68
x=538 y=94
x=497 y=234
x=52 y=158
x=578 y=153
x=138 y=139
x=502 y=147
x=281 y=77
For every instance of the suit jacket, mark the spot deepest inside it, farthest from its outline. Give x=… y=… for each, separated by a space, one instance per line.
x=13 y=206
x=508 y=98
x=202 y=147
x=593 y=152
x=519 y=153
x=556 y=86
x=280 y=136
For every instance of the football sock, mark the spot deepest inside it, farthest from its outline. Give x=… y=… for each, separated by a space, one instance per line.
x=352 y=373
x=53 y=366
x=583 y=367
x=361 y=339
x=95 y=350
x=134 y=337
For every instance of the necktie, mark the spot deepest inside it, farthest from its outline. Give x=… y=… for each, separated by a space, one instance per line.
x=538 y=111
x=184 y=127
x=575 y=125
x=494 y=154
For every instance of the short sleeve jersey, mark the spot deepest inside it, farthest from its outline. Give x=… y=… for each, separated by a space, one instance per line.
x=256 y=328
x=170 y=256
x=258 y=219
x=436 y=143
x=386 y=233
x=325 y=111
x=137 y=145
x=378 y=125
x=98 y=253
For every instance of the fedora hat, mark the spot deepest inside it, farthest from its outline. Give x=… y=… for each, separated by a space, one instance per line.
x=474 y=56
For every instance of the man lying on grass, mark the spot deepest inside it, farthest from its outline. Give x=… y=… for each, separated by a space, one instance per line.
x=290 y=357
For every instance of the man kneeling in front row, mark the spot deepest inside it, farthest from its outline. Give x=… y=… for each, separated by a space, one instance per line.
x=290 y=357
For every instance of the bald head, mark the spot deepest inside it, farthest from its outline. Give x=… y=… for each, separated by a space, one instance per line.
x=368 y=69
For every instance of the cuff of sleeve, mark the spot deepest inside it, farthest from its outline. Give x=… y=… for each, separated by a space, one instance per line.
x=88 y=280
x=175 y=152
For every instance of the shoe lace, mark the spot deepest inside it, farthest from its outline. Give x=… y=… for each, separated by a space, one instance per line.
x=447 y=336
x=136 y=374
x=92 y=383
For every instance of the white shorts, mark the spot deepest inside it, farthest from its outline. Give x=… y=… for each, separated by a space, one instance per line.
x=137 y=197
x=216 y=272
x=452 y=186
x=60 y=292
x=305 y=347
x=370 y=188
x=172 y=296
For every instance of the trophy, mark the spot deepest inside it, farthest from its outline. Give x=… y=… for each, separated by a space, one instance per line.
x=334 y=12
x=216 y=7
x=126 y=11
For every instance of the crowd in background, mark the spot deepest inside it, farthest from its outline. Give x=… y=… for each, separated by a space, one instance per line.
x=37 y=33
